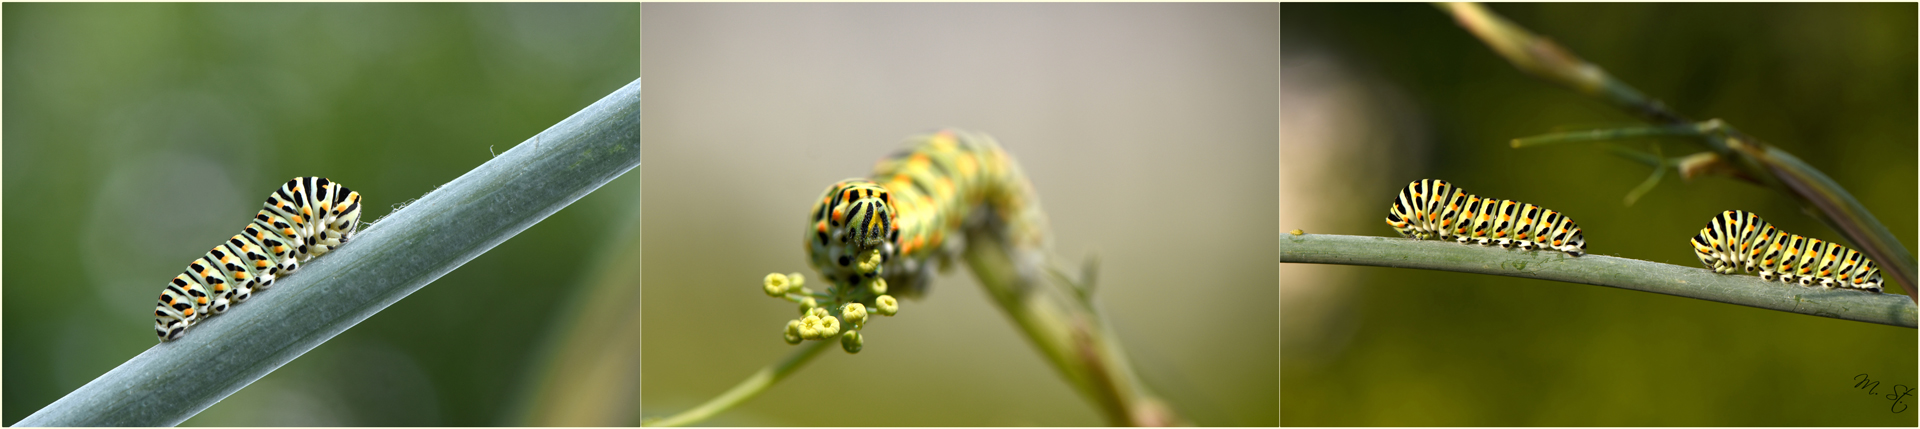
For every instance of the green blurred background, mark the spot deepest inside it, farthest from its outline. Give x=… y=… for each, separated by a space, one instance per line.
x=1375 y=96
x=138 y=135
x=1148 y=131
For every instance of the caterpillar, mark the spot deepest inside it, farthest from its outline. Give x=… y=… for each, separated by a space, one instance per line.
x=304 y=218
x=1435 y=209
x=1737 y=239
x=913 y=207
x=876 y=237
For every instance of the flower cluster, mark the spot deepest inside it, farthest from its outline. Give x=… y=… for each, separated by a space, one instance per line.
x=839 y=312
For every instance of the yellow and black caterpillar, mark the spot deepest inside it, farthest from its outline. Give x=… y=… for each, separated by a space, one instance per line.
x=915 y=204
x=881 y=236
x=304 y=218
x=1435 y=209
x=1737 y=239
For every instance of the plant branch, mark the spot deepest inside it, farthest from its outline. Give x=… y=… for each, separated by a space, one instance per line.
x=1611 y=134
x=749 y=388
x=1598 y=270
x=1056 y=314
x=403 y=252
x=1067 y=328
x=1758 y=162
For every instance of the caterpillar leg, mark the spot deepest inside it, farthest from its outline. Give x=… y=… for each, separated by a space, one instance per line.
x=169 y=330
x=1576 y=242
x=1870 y=285
x=220 y=305
x=1809 y=280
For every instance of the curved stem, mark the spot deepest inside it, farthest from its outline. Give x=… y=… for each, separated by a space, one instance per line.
x=1598 y=270
x=1062 y=321
x=751 y=387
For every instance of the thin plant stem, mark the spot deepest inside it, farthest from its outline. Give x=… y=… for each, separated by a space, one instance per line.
x=1599 y=270
x=1606 y=135
x=749 y=388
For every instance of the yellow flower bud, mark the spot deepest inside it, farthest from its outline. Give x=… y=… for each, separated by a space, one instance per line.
x=869 y=261
x=776 y=284
x=851 y=342
x=879 y=286
x=808 y=304
x=856 y=313
x=797 y=280
x=793 y=331
x=810 y=328
x=887 y=305
x=829 y=326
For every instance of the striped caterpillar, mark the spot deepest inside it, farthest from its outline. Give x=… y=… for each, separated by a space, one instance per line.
x=1435 y=209
x=915 y=204
x=304 y=218
x=1736 y=239
x=883 y=234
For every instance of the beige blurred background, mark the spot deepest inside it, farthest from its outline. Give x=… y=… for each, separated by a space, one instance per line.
x=1148 y=130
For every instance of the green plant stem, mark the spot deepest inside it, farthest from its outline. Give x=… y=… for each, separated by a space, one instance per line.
x=1064 y=324
x=751 y=387
x=1836 y=207
x=1067 y=330
x=400 y=254
x=1545 y=59
x=1760 y=162
x=1599 y=270
x=1055 y=314
x=1607 y=135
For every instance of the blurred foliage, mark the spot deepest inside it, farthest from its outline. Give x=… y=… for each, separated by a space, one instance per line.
x=1834 y=84
x=138 y=135
x=1148 y=131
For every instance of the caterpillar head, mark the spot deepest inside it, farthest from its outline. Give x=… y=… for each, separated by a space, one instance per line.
x=854 y=217
x=868 y=220
x=858 y=213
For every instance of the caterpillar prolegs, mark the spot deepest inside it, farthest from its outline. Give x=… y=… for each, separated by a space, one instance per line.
x=1737 y=239
x=1435 y=209
x=304 y=218
x=876 y=237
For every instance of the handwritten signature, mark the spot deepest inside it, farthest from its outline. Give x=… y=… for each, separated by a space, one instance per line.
x=1900 y=392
